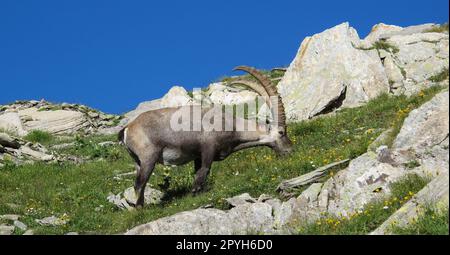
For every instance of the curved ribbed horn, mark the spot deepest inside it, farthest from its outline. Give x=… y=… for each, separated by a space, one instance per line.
x=255 y=87
x=270 y=89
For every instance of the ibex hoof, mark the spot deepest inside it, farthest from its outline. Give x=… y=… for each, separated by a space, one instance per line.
x=196 y=190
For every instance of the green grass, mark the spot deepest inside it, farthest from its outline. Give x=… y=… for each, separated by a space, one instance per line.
x=431 y=222
x=383 y=45
x=373 y=215
x=42 y=190
x=441 y=76
x=38 y=136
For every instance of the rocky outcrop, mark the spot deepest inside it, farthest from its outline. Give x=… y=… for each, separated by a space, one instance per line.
x=423 y=138
x=17 y=151
x=245 y=218
x=329 y=72
x=335 y=69
x=24 y=116
x=418 y=58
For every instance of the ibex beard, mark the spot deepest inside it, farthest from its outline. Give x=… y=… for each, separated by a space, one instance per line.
x=176 y=136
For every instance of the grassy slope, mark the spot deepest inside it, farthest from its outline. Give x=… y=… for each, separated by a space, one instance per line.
x=41 y=190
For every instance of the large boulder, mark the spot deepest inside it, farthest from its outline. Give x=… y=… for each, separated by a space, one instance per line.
x=10 y=122
x=383 y=31
x=243 y=219
x=329 y=72
x=56 y=122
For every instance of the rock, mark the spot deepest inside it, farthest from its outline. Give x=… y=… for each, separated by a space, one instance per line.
x=20 y=225
x=218 y=93
x=425 y=127
x=382 y=139
x=93 y=114
x=240 y=199
x=408 y=30
x=11 y=217
x=436 y=193
x=71 y=234
x=56 y=122
x=141 y=108
x=365 y=180
x=243 y=219
x=6 y=230
x=177 y=96
x=107 y=143
x=329 y=72
x=312 y=192
x=8 y=141
x=51 y=221
x=151 y=196
x=384 y=155
x=120 y=202
x=377 y=31
x=29 y=232
x=419 y=57
x=37 y=155
x=10 y=121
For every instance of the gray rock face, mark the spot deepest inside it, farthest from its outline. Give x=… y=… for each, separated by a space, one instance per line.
x=426 y=126
x=24 y=116
x=243 y=219
x=240 y=200
x=7 y=141
x=336 y=69
x=57 y=122
x=352 y=188
x=419 y=57
x=328 y=72
x=6 y=230
x=10 y=121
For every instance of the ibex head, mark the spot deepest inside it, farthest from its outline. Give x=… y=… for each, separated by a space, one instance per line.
x=277 y=137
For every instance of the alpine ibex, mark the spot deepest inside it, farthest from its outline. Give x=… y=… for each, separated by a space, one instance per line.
x=150 y=139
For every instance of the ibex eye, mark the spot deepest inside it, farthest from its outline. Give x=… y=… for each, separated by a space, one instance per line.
x=280 y=132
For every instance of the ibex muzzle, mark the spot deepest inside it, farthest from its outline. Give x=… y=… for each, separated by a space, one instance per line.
x=150 y=140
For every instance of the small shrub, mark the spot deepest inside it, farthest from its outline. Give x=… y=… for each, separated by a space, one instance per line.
x=383 y=45
x=39 y=136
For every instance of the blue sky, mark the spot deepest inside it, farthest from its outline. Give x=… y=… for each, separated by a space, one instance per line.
x=111 y=55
